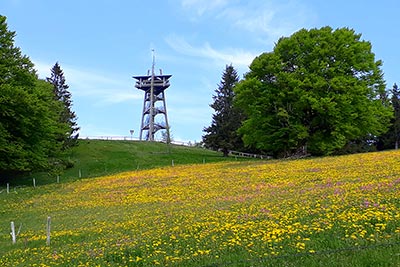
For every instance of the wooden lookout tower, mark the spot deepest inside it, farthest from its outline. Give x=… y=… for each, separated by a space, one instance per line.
x=154 y=115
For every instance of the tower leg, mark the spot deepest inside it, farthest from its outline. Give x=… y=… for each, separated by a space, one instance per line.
x=166 y=119
x=143 y=115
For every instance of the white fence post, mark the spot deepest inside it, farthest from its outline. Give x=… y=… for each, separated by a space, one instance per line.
x=48 y=230
x=80 y=173
x=8 y=188
x=34 y=182
x=13 y=235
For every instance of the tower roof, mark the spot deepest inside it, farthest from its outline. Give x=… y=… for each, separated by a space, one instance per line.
x=161 y=82
x=148 y=77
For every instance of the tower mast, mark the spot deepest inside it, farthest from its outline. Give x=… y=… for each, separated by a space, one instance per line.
x=151 y=126
x=153 y=86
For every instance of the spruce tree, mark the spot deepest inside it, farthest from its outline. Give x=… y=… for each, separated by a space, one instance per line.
x=222 y=133
x=396 y=120
x=391 y=138
x=66 y=115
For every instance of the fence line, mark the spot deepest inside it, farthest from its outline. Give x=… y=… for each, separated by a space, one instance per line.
x=132 y=138
x=111 y=138
x=15 y=234
x=9 y=188
x=248 y=155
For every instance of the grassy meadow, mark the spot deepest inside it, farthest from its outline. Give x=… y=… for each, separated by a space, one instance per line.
x=332 y=211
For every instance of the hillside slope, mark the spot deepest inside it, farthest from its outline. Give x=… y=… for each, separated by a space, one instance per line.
x=92 y=158
x=340 y=211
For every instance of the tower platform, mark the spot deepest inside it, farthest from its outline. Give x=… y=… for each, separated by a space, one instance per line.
x=154 y=113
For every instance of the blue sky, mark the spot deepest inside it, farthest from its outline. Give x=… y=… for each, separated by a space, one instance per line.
x=101 y=44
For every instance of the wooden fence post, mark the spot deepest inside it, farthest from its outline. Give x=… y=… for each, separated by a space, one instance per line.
x=48 y=230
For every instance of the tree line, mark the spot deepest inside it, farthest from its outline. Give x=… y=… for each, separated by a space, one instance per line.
x=318 y=92
x=37 y=124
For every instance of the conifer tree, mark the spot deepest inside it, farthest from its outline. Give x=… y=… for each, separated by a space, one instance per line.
x=396 y=120
x=66 y=115
x=391 y=139
x=222 y=133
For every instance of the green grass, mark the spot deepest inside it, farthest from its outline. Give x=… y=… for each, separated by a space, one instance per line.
x=93 y=158
x=333 y=211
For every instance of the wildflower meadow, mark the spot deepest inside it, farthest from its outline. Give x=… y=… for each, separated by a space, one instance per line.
x=331 y=211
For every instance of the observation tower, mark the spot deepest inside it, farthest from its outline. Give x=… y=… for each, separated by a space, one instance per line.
x=154 y=114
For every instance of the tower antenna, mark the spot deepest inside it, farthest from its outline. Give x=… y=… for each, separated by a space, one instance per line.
x=153 y=54
x=152 y=115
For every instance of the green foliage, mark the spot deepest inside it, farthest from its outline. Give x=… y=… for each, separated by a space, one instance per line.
x=28 y=128
x=28 y=112
x=314 y=93
x=15 y=69
x=65 y=116
x=391 y=139
x=222 y=134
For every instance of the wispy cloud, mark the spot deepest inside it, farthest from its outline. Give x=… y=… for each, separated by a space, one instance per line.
x=268 y=20
x=202 y=6
x=262 y=21
x=83 y=83
x=237 y=57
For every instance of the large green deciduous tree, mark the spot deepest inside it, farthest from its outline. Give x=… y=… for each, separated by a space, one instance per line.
x=28 y=112
x=66 y=116
x=15 y=69
x=317 y=91
x=222 y=134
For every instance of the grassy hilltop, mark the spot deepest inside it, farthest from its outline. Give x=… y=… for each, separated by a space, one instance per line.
x=92 y=158
x=332 y=211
